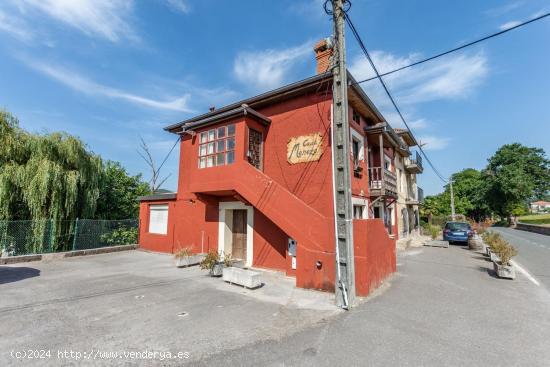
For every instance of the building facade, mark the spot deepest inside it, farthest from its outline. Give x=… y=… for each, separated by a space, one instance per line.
x=410 y=195
x=256 y=181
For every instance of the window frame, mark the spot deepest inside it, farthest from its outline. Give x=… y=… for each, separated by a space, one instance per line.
x=164 y=207
x=360 y=202
x=360 y=140
x=209 y=154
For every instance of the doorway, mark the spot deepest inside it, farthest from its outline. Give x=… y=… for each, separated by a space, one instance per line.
x=238 y=245
x=235 y=230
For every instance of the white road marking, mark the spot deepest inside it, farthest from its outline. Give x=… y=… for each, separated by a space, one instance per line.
x=524 y=272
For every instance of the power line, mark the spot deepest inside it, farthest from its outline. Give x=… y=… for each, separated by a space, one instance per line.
x=366 y=52
x=457 y=48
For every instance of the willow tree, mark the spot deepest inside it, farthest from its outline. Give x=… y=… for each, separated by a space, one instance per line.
x=46 y=176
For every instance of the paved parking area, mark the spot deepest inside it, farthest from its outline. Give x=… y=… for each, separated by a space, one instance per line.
x=444 y=307
x=136 y=301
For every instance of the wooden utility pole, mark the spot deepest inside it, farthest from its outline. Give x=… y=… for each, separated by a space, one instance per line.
x=453 y=215
x=345 y=269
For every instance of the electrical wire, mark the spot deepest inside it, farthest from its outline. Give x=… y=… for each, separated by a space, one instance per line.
x=457 y=48
x=379 y=77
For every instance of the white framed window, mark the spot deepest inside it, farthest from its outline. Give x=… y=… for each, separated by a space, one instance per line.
x=360 y=208
x=158 y=218
x=387 y=163
x=358 y=211
x=357 y=146
x=217 y=146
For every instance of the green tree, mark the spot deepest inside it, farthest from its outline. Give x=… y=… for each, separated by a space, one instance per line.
x=436 y=206
x=470 y=190
x=119 y=192
x=46 y=176
x=514 y=175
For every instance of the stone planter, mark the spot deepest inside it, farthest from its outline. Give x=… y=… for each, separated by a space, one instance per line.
x=183 y=262
x=488 y=251
x=504 y=271
x=494 y=257
x=246 y=278
x=217 y=270
x=475 y=243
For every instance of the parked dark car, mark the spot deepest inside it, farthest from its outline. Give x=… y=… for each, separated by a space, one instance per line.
x=457 y=232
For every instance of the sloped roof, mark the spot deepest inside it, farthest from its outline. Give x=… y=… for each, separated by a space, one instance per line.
x=256 y=102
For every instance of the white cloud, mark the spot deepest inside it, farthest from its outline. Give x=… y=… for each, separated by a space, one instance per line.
x=267 y=69
x=82 y=84
x=451 y=77
x=430 y=142
x=178 y=5
x=418 y=124
x=501 y=10
x=509 y=25
x=103 y=18
x=15 y=27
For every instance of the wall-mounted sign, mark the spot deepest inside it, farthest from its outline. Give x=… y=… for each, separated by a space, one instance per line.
x=306 y=148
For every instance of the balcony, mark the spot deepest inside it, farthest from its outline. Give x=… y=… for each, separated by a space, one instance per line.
x=414 y=165
x=382 y=182
x=415 y=197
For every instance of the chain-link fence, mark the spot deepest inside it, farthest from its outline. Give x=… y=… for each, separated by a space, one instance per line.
x=24 y=237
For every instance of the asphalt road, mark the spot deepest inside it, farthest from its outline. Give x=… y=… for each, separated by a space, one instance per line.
x=444 y=307
x=533 y=252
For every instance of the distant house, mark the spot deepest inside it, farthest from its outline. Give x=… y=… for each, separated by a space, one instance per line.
x=540 y=206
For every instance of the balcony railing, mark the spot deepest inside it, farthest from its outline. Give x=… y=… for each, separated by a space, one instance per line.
x=414 y=165
x=382 y=179
x=420 y=195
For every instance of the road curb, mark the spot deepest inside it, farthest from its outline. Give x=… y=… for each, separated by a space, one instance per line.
x=62 y=255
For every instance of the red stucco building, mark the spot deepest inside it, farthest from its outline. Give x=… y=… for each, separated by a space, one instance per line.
x=257 y=175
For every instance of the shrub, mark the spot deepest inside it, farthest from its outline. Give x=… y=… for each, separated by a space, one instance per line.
x=120 y=236
x=497 y=245
x=434 y=232
x=489 y=237
x=228 y=260
x=211 y=259
x=506 y=253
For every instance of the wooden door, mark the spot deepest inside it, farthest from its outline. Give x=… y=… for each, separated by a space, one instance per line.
x=238 y=250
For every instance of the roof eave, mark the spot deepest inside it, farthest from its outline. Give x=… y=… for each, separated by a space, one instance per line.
x=253 y=100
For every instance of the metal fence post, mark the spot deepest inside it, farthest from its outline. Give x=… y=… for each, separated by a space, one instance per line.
x=52 y=234
x=75 y=233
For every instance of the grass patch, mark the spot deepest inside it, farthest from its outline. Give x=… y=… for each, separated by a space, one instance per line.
x=535 y=219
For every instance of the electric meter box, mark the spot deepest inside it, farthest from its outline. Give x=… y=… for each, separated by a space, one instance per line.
x=291 y=247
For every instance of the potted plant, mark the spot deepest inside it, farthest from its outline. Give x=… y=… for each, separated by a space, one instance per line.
x=496 y=247
x=185 y=257
x=504 y=268
x=213 y=264
x=488 y=239
x=475 y=242
x=227 y=260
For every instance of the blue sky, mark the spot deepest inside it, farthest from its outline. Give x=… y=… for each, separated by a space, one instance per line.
x=110 y=71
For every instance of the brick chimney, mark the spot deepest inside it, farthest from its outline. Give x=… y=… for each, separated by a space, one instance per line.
x=323 y=52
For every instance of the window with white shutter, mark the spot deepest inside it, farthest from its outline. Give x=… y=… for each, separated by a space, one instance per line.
x=158 y=218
